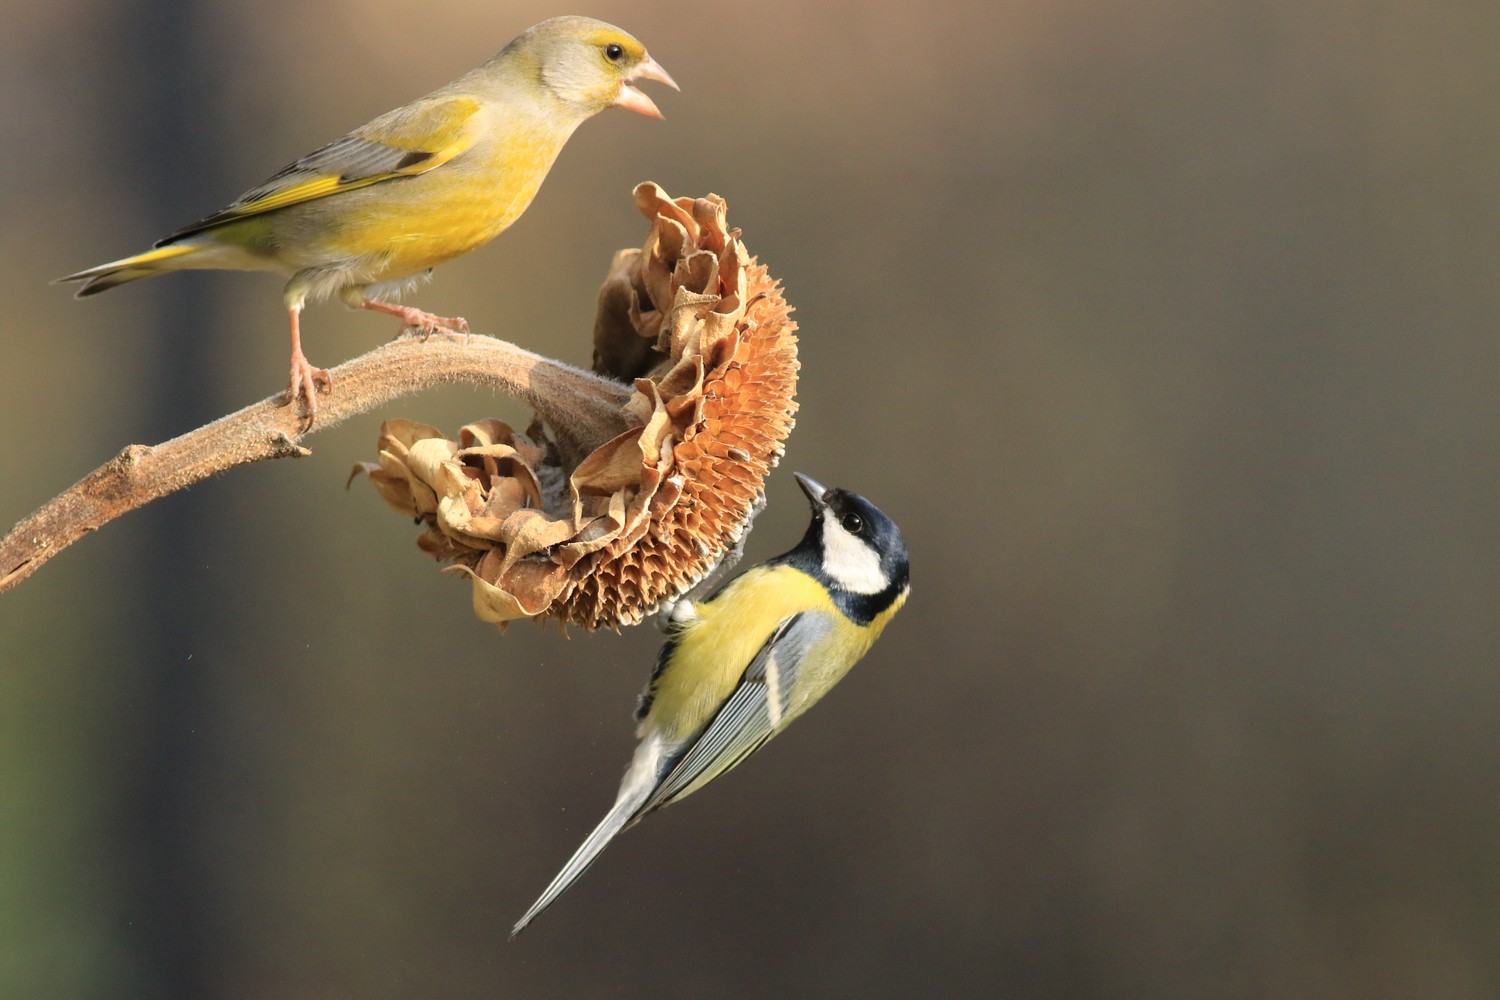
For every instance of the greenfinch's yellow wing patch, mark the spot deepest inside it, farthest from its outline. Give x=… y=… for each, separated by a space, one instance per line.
x=408 y=141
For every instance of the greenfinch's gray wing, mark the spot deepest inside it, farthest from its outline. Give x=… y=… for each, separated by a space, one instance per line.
x=410 y=140
x=750 y=715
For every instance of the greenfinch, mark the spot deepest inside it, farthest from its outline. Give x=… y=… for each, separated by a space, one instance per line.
x=368 y=215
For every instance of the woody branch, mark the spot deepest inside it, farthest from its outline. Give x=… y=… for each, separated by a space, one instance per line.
x=582 y=409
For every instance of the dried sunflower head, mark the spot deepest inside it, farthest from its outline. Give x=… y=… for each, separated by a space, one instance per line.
x=600 y=527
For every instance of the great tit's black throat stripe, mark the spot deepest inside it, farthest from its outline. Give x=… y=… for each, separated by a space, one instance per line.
x=862 y=609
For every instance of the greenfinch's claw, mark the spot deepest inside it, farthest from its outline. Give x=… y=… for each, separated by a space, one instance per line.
x=305 y=386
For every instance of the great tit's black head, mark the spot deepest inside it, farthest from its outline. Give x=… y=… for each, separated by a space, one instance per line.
x=852 y=546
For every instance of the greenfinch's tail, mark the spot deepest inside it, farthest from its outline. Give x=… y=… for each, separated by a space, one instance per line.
x=143 y=265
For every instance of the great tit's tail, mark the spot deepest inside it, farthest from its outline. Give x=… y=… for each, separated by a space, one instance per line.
x=640 y=782
x=159 y=260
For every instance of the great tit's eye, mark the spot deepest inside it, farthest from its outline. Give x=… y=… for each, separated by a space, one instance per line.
x=852 y=523
x=614 y=52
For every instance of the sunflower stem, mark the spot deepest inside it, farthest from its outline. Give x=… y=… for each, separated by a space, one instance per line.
x=582 y=409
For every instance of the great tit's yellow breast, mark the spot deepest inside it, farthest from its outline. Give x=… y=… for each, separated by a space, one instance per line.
x=711 y=655
x=831 y=657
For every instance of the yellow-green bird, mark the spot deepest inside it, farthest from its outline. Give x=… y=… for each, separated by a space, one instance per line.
x=740 y=666
x=368 y=215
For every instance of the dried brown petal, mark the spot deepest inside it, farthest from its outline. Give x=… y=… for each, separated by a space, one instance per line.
x=704 y=333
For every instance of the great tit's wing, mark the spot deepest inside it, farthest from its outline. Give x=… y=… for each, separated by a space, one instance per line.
x=410 y=140
x=749 y=716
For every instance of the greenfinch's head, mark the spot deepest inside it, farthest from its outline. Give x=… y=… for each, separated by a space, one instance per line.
x=589 y=65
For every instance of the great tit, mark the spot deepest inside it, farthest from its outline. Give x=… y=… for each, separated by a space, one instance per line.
x=737 y=668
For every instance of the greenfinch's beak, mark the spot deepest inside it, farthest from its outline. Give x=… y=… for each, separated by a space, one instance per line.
x=632 y=99
x=816 y=494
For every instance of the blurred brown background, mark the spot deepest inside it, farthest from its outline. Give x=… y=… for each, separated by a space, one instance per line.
x=1167 y=331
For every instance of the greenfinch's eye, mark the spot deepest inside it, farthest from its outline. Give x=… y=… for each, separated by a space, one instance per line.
x=852 y=523
x=614 y=51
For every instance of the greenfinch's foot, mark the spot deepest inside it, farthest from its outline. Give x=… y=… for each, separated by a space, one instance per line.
x=305 y=384
x=424 y=323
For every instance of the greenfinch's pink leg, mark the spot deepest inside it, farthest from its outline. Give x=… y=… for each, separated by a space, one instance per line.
x=306 y=381
x=425 y=323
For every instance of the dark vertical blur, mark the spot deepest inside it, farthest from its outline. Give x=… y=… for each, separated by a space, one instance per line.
x=170 y=164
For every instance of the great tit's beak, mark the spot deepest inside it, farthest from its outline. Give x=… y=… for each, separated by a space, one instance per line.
x=816 y=494
x=632 y=99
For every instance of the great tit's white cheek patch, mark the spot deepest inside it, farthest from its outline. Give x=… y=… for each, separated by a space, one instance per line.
x=849 y=562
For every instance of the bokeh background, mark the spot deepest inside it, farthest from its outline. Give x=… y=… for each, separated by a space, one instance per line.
x=1167 y=331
